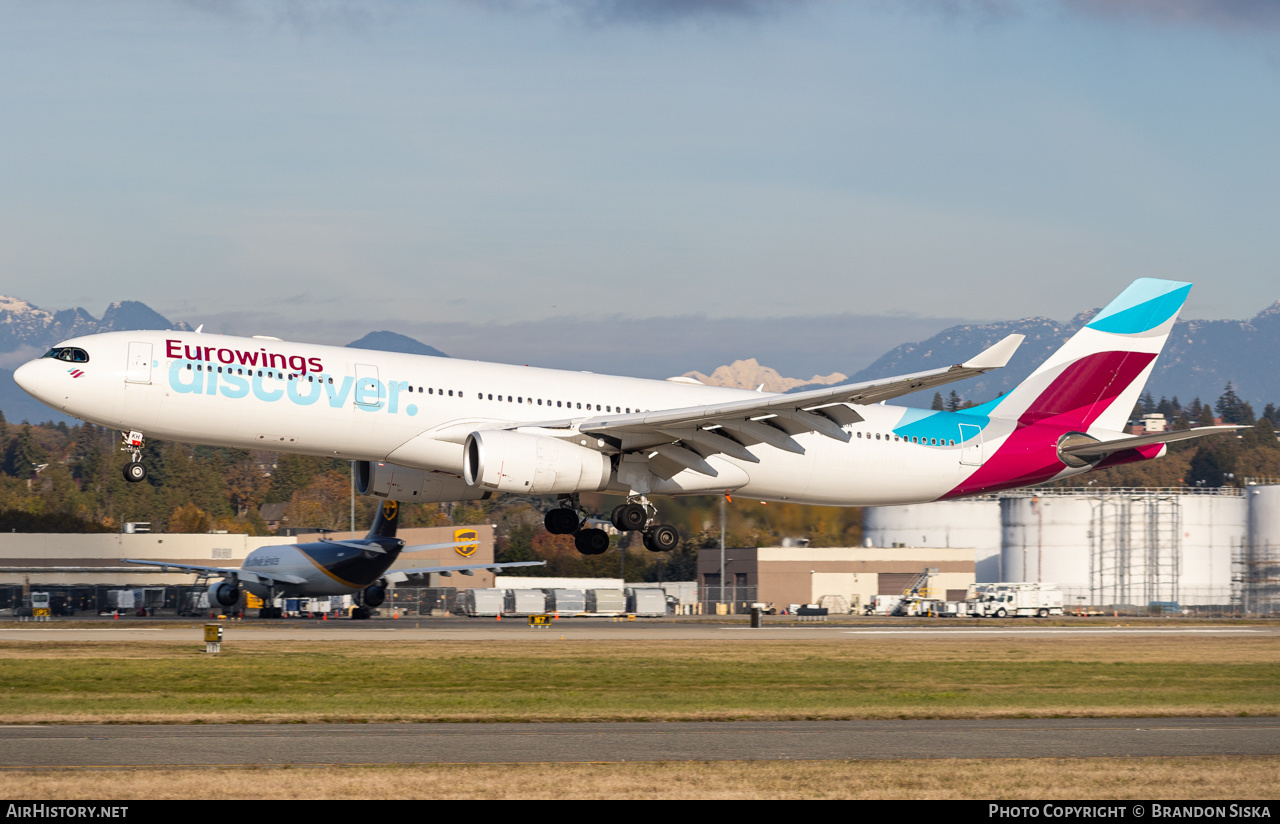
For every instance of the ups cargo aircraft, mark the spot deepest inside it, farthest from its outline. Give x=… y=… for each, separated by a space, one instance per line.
x=357 y=568
x=438 y=429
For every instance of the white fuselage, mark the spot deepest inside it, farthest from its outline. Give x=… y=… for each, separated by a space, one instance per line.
x=256 y=393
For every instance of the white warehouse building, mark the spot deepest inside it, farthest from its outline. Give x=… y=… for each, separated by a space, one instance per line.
x=1195 y=547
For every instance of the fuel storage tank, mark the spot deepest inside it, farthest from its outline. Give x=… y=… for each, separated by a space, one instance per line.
x=1126 y=546
x=973 y=522
x=1260 y=565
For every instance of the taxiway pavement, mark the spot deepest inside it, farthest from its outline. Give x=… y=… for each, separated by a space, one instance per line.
x=113 y=746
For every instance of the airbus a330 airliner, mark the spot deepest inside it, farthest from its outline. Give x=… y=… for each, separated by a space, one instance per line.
x=426 y=429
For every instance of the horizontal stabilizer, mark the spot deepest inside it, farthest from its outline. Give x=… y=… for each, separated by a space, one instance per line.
x=1095 y=448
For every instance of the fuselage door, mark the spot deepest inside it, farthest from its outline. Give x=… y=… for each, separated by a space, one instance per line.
x=139 y=370
x=369 y=392
x=971 y=445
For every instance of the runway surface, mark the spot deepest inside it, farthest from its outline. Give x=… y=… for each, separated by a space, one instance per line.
x=293 y=744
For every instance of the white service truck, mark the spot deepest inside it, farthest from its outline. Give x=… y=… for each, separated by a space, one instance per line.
x=1015 y=601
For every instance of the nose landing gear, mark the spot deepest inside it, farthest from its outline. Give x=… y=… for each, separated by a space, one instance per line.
x=134 y=471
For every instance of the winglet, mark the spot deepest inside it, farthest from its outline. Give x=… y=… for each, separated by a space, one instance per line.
x=995 y=356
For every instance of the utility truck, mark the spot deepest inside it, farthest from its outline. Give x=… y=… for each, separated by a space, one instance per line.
x=1014 y=600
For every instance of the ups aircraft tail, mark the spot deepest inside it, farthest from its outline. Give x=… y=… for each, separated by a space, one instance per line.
x=386 y=521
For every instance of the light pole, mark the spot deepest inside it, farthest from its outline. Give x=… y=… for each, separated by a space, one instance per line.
x=720 y=599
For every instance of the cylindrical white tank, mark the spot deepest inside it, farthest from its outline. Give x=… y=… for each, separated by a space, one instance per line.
x=1126 y=547
x=967 y=523
x=1261 y=568
x=1214 y=531
x=1045 y=539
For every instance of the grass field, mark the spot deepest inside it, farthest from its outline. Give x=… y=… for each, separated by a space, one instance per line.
x=1037 y=778
x=557 y=680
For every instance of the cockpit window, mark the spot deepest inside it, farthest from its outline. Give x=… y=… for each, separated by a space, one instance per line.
x=70 y=354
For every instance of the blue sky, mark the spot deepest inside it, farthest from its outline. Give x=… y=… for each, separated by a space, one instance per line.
x=490 y=174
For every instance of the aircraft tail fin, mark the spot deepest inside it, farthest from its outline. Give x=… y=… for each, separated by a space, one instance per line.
x=386 y=521
x=1097 y=376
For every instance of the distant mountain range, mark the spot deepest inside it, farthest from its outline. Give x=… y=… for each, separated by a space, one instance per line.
x=749 y=374
x=27 y=331
x=1200 y=359
x=395 y=342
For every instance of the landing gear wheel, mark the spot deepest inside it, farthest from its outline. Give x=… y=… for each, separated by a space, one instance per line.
x=661 y=538
x=629 y=517
x=561 y=521
x=591 y=541
x=134 y=472
x=360 y=614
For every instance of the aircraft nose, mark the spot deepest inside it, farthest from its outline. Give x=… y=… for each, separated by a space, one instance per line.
x=28 y=377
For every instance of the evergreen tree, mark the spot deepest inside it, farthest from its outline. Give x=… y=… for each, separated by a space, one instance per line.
x=953 y=401
x=1206 y=470
x=23 y=454
x=1234 y=410
x=937 y=402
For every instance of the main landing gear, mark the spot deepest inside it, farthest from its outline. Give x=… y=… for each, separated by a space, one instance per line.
x=134 y=471
x=636 y=514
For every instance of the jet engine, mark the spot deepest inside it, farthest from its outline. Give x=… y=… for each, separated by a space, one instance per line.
x=532 y=464
x=375 y=594
x=400 y=483
x=225 y=593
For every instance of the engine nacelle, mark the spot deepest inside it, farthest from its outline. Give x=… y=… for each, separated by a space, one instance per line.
x=531 y=464
x=225 y=593
x=374 y=595
x=400 y=483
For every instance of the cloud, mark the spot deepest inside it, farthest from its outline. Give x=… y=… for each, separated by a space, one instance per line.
x=302 y=16
x=649 y=12
x=1239 y=15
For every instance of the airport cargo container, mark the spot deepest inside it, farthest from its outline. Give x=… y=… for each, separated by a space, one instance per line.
x=566 y=601
x=483 y=602
x=646 y=601
x=524 y=602
x=606 y=601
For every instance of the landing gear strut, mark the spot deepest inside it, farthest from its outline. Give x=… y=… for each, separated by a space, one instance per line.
x=636 y=515
x=566 y=520
x=134 y=471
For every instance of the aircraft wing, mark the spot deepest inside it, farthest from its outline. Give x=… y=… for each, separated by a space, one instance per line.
x=266 y=578
x=370 y=546
x=1095 y=448
x=401 y=575
x=683 y=438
